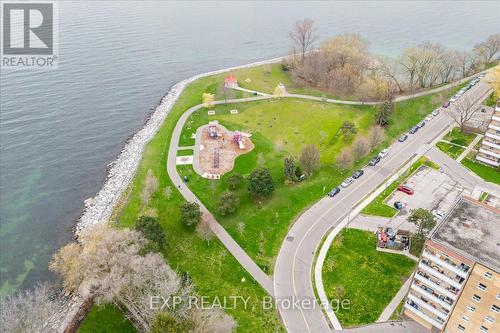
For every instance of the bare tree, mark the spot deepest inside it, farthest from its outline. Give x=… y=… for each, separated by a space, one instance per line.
x=376 y=136
x=303 y=36
x=360 y=147
x=203 y=230
x=149 y=188
x=486 y=50
x=466 y=62
x=345 y=159
x=462 y=111
x=213 y=320
x=29 y=310
x=309 y=158
x=392 y=70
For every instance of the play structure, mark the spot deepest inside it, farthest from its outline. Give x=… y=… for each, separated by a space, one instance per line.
x=230 y=81
x=216 y=149
x=238 y=139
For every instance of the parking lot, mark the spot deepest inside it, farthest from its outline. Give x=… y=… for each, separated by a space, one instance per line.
x=433 y=189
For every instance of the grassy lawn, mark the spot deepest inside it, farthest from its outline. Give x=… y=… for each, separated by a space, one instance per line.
x=450 y=150
x=459 y=138
x=106 y=318
x=212 y=268
x=369 y=279
x=397 y=313
x=488 y=173
x=185 y=152
x=378 y=207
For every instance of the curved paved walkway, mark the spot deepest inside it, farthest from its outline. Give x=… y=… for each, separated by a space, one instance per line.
x=293 y=271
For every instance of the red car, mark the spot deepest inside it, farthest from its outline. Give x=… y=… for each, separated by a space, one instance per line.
x=405 y=189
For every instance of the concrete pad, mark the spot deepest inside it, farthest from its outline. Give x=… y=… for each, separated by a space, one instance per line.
x=234 y=111
x=184 y=160
x=193 y=135
x=211 y=113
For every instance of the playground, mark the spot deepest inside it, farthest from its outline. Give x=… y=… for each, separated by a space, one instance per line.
x=217 y=148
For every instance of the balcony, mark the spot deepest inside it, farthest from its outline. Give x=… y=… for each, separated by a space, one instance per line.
x=425 y=317
x=440 y=276
x=449 y=266
x=495 y=117
x=491 y=144
x=432 y=297
x=427 y=306
x=492 y=135
x=489 y=152
x=436 y=287
x=488 y=161
x=493 y=126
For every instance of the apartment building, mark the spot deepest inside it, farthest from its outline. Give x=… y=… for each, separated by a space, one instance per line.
x=457 y=275
x=489 y=152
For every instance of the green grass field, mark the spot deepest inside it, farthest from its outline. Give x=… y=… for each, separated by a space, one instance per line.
x=104 y=319
x=459 y=138
x=378 y=207
x=488 y=173
x=212 y=268
x=449 y=149
x=354 y=270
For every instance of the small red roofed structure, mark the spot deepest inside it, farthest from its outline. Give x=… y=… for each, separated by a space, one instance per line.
x=230 y=81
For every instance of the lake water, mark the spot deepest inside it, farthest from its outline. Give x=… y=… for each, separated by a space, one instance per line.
x=60 y=129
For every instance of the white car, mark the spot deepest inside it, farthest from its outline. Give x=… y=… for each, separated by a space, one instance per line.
x=429 y=117
x=348 y=181
x=383 y=153
x=454 y=98
x=438 y=214
x=435 y=112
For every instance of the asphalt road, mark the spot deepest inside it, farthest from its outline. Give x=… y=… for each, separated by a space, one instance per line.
x=294 y=266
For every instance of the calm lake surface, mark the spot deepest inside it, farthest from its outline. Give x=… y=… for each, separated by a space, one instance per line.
x=60 y=129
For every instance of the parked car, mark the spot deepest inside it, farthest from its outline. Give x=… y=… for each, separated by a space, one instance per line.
x=384 y=152
x=438 y=214
x=390 y=233
x=454 y=98
x=334 y=192
x=421 y=124
x=446 y=104
x=435 y=112
x=374 y=160
x=429 y=117
x=398 y=205
x=413 y=130
x=358 y=174
x=405 y=189
x=348 y=181
x=403 y=138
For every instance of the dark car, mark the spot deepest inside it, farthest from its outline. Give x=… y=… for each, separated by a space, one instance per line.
x=358 y=174
x=413 y=130
x=334 y=192
x=398 y=205
x=421 y=124
x=374 y=160
x=403 y=138
x=446 y=104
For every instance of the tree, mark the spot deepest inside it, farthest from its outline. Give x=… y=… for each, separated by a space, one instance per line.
x=463 y=111
x=208 y=100
x=212 y=320
x=360 y=148
x=423 y=219
x=227 y=203
x=190 y=213
x=345 y=159
x=234 y=181
x=309 y=159
x=348 y=130
x=29 y=310
x=392 y=70
x=384 y=111
x=303 y=36
x=150 y=228
x=493 y=78
x=376 y=136
x=486 y=50
x=466 y=61
x=108 y=265
x=261 y=183
x=298 y=172
x=204 y=231
x=289 y=170
x=164 y=322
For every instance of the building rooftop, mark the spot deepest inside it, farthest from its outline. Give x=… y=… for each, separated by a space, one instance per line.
x=472 y=229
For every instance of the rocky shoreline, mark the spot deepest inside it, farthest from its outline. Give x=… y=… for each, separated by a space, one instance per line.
x=122 y=171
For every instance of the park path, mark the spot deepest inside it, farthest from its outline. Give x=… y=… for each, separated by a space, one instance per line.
x=232 y=246
x=469 y=147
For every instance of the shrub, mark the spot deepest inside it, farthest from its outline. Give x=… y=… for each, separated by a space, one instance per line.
x=227 y=203
x=261 y=183
x=150 y=228
x=234 y=181
x=190 y=213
